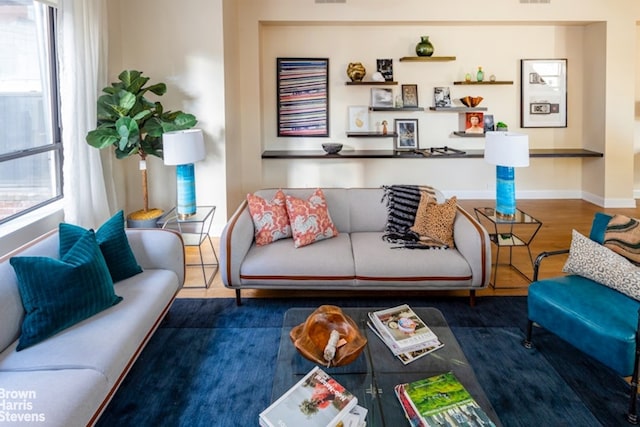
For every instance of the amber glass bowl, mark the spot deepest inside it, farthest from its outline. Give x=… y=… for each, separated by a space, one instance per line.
x=471 y=101
x=311 y=337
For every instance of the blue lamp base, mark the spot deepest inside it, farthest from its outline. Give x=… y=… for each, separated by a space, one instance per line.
x=505 y=192
x=186 y=189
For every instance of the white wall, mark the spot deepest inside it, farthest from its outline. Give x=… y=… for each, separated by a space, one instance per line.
x=180 y=44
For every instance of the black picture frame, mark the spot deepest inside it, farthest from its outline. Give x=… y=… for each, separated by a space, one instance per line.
x=407 y=134
x=303 y=97
x=409 y=95
x=385 y=67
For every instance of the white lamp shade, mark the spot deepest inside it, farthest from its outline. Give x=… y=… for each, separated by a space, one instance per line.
x=506 y=149
x=183 y=146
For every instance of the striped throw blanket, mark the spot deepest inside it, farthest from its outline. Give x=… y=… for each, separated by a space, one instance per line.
x=402 y=205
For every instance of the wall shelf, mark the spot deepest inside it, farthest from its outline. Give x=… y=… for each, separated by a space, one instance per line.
x=396 y=109
x=372 y=83
x=458 y=109
x=392 y=154
x=463 y=134
x=427 y=58
x=497 y=82
x=371 y=135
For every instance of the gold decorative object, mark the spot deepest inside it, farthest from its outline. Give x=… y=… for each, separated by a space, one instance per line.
x=471 y=101
x=311 y=337
x=356 y=71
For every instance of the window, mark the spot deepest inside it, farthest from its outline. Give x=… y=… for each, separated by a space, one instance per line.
x=30 y=141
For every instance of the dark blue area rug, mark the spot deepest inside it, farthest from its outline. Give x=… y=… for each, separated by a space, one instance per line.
x=212 y=363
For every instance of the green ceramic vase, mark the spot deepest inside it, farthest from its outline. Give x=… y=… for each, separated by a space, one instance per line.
x=424 y=47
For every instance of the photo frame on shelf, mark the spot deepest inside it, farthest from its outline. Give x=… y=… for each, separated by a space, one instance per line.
x=407 y=134
x=385 y=67
x=358 y=118
x=544 y=93
x=489 y=125
x=474 y=123
x=381 y=97
x=303 y=96
x=409 y=95
x=441 y=97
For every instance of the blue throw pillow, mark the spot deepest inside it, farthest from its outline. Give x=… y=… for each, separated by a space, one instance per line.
x=113 y=243
x=58 y=293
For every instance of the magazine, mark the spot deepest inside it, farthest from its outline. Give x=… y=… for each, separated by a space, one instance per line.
x=316 y=400
x=410 y=356
x=401 y=329
x=440 y=400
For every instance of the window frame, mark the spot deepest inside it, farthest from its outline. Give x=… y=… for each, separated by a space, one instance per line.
x=55 y=146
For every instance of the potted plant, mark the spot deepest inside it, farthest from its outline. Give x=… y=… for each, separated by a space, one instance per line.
x=133 y=125
x=501 y=127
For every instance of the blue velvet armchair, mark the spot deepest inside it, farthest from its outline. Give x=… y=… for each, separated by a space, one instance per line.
x=597 y=319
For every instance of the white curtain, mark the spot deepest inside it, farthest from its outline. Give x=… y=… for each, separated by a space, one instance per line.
x=83 y=71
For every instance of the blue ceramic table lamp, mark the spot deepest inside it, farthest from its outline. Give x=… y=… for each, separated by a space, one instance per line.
x=183 y=148
x=506 y=150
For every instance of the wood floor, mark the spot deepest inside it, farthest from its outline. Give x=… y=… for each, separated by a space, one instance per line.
x=558 y=218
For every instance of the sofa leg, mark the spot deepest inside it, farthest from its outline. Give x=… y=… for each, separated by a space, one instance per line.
x=472 y=298
x=238 y=298
x=527 y=342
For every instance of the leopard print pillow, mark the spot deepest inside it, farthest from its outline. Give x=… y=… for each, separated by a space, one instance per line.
x=434 y=222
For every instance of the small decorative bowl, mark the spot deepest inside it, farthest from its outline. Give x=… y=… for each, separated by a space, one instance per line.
x=332 y=148
x=311 y=337
x=471 y=101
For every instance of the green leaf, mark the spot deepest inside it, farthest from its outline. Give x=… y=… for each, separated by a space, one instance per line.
x=128 y=76
x=153 y=128
x=158 y=88
x=129 y=133
x=102 y=137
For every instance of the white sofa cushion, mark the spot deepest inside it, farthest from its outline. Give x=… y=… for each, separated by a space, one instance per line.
x=376 y=261
x=297 y=265
x=104 y=342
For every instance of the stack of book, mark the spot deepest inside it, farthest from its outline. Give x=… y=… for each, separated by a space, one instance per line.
x=440 y=400
x=406 y=335
x=316 y=400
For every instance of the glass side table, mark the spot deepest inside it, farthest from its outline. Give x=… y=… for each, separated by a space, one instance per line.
x=509 y=233
x=195 y=233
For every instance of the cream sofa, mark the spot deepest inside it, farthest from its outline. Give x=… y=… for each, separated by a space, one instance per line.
x=68 y=379
x=358 y=258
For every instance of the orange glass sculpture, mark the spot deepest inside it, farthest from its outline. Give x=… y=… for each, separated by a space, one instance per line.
x=471 y=101
x=311 y=337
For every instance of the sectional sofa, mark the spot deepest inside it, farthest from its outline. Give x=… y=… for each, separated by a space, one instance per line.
x=68 y=379
x=357 y=258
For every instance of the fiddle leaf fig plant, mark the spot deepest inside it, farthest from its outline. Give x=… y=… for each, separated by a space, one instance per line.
x=132 y=124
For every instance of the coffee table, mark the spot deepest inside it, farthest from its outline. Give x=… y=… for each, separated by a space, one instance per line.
x=373 y=375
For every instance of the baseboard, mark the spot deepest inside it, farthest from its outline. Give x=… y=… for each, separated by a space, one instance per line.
x=550 y=194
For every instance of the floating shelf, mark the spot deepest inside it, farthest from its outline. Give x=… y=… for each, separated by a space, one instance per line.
x=389 y=154
x=372 y=83
x=372 y=134
x=497 y=82
x=427 y=58
x=468 y=135
x=458 y=109
x=396 y=109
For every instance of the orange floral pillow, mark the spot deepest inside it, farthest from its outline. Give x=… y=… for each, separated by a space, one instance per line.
x=310 y=220
x=270 y=219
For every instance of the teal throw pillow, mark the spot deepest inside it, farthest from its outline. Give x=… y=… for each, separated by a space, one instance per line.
x=58 y=293
x=113 y=243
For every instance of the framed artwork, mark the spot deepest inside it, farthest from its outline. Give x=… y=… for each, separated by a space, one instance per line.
x=358 y=118
x=385 y=67
x=303 y=96
x=489 y=126
x=474 y=122
x=407 y=131
x=381 y=97
x=441 y=97
x=410 y=95
x=544 y=93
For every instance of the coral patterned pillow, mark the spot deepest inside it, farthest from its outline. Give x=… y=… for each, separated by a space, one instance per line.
x=310 y=220
x=270 y=219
